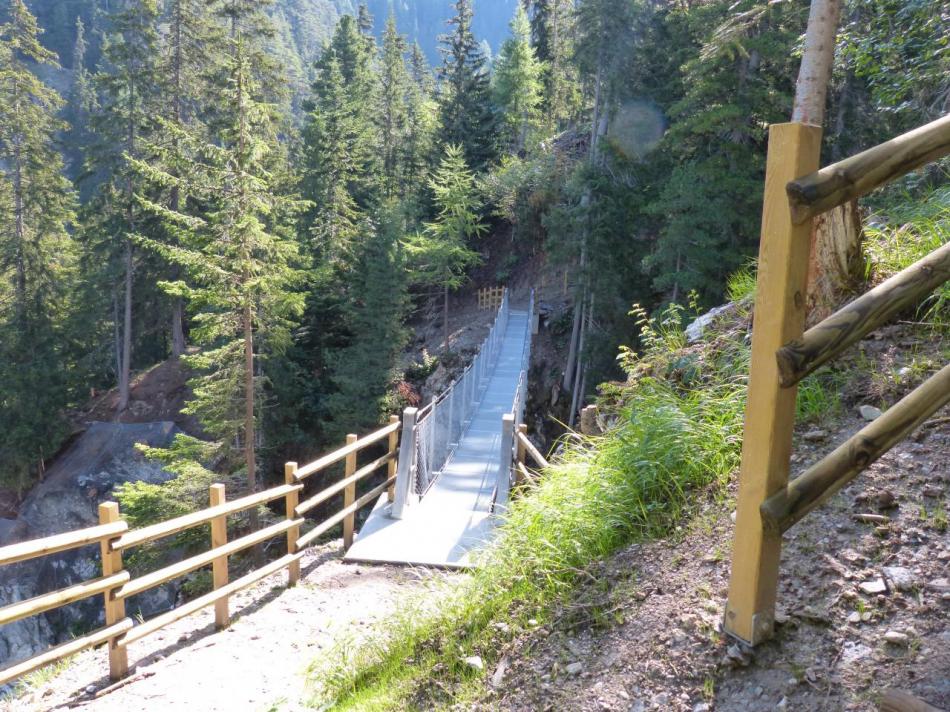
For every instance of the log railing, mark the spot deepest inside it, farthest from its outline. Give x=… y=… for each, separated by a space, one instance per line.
x=768 y=504
x=114 y=537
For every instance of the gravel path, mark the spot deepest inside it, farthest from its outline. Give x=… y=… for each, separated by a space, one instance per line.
x=258 y=663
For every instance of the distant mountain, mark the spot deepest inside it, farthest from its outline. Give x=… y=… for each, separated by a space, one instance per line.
x=302 y=25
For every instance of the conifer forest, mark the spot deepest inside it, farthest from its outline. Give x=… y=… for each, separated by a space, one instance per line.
x=271 y=190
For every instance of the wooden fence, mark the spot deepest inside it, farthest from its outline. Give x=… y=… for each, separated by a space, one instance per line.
x=114 y=537
x=490 y=297
x=795 y=192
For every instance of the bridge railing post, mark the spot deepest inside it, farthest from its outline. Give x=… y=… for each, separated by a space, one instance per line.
x=503 y=484
x=407 y=453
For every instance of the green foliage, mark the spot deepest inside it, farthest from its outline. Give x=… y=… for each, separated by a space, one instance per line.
x=517 y=84
x=37 y=254
x=466 y=112
x=905 y=232
x=440 y=254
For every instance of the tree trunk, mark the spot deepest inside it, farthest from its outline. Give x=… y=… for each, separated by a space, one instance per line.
x=836 y=235
x=836 y=263
x=815 y=71
x=126 y=361
x=445 y=317
x=178 y=307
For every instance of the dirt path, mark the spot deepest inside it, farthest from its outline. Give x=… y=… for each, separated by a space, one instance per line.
x=256 y=664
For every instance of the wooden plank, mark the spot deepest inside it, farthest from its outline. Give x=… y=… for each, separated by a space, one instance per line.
x=62 y=597
x=770 y=409
x=521 y=435
x=392 y=453
x=325 y=494
x=290 y=512
x=825 y=340
x=159 y=622
x=65 y=650
x=219 y=566
x=188 y=521
x=59 y=542
x=349 y=495
x=114 y=606
x=823 y=479
x=337 y=455
x=341 y=515
x=858 y=175
x=180 y=568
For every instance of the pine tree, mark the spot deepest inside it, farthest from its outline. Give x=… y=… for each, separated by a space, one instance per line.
x=36 y=251
x=552 y=33
x=128 y=85
x=421 y=118
x=440 y=254
x=393 y=87
x=517 y=83
x=467 y=116
x=241 y=277
x=364 y=370
x=81 y=105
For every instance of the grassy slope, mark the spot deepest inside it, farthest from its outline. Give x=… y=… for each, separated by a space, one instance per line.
x=677 y=432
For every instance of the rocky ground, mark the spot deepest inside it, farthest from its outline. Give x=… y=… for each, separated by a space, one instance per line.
x=864 y=596
x=258 y=663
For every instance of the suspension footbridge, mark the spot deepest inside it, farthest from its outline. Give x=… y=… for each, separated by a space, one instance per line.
x=457 y=475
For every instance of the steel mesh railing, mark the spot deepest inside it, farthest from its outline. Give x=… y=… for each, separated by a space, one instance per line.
x=440 y=424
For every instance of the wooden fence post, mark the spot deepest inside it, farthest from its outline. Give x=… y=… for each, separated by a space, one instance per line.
x=770 y=410
x=349 y=495
x=407 y=449
x=391 y=466
x=290 y=506
x=115 y=607
x=219 y=567
x=520 y=450
x=503 y=483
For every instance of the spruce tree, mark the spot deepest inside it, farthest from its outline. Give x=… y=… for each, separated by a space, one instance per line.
x=517 y=83
x=36 y=252
x=393 y=90
x=128 y=86
x=440 y=254
x=467 y=116
x=80 y=106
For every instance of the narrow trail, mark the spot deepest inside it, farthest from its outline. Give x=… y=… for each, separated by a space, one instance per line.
x=258 y=663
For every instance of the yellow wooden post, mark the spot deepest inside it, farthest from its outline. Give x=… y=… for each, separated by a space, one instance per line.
x=391 y=467
x=219 y=567
x=290 y=504
x=349 y=496
x=770 y=410
x=115 y=607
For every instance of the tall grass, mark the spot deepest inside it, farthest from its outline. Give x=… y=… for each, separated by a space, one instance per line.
x=907 y=231
x=632 y=483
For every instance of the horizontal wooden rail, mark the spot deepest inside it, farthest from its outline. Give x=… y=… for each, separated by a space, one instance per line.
x=325 y=494
x=60 y=542
x=159 y=622
x=180 y=568
x=822 y=480
x=860 y=174
x=343 y=513
x=65 y=650
x=70 y=594
x=825 y=340
x=188 y=521
x=532 y=450
x=337 y=455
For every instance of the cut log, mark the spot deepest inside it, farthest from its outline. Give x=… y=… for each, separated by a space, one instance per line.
x=900 y=701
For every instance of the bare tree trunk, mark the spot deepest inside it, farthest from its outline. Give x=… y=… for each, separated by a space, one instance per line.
x=836 y=235
x=815 y=71
x=178 y=307
x=445 y=316
x=126 y=361
x=249 y=452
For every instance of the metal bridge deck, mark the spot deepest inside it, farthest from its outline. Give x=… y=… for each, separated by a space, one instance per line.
x=453 y=518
